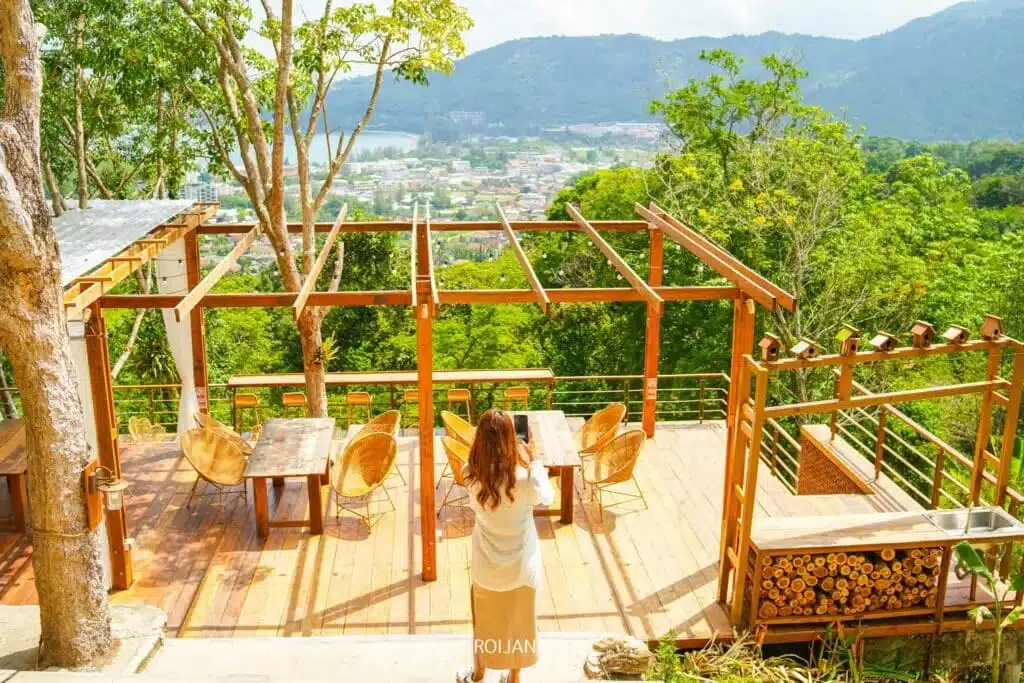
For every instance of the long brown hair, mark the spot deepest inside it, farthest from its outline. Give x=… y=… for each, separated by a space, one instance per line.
x=493 y=458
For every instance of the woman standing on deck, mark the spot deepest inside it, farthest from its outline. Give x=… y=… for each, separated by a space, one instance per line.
x=505 y=482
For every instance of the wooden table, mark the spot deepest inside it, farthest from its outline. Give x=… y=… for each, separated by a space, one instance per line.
x=298 y=447
x=556 y=448
x=14 y=466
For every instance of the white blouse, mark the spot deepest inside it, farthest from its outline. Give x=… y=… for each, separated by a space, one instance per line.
x=506 y=550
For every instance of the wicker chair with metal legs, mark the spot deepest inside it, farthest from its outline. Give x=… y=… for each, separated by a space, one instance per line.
x=217 y=460
x=458 y=429
x=599 y=429
x=613 y=465
x=144 y=431
x=385 y=423
x=207 y=421
x=458 y=456
x=360 y=472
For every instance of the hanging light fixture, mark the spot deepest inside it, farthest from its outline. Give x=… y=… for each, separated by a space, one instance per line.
x=113 y=489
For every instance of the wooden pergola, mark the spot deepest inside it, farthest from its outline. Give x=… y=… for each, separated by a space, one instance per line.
x=746 y=289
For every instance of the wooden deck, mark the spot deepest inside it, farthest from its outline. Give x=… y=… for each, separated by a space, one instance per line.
x=639 y=571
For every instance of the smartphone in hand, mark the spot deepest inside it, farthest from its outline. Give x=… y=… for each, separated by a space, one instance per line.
x=522 y=425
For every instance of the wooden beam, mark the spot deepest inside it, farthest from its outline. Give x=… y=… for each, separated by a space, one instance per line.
x=82 y=292
x=583 y=295
x=412 y=250
x=635 y=280
x=393 y=297
x=196 y=325
x=902 y=353
x=435 y=303
x=785 y=299
x=927 y=394
x=442 y=226
x=542 y=298
x=309 y=285
x=197 y=293
x=425 y=378
x=652 y=335
x=724 y=267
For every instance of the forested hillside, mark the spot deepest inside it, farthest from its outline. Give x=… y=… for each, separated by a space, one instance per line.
x=951 y=76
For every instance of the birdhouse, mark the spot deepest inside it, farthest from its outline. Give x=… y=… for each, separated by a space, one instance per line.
x=956 y=334
x=848 y=338
x=770 y=347
x=883 y=341
x=992 y=327
x=924 y=334
x=805 y=349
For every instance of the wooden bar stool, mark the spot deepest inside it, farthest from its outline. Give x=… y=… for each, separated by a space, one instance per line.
x=460 y=397
x=294 y=402
x=358 y=399
x=517 y=395
x=244 y=402
x=411 y=399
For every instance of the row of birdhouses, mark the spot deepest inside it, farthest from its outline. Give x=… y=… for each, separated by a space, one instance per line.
x=849 y=338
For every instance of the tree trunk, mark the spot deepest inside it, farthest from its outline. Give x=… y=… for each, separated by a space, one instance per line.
x=56 y=198
x=313 y=362
x=66 y=555
x=80 y=159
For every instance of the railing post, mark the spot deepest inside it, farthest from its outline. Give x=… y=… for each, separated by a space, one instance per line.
x=152 y=408
x=391 y=396
x=700 y=404
x=625 y=396
x=937 y=480
x=880 y=441
x=775 y=448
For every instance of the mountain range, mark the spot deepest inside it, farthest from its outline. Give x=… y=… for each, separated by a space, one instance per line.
x=954 y=75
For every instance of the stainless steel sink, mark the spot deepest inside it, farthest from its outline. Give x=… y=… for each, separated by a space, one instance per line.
x=973 y=521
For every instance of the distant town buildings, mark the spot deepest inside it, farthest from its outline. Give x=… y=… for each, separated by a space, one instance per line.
x=472 y=118
x=201 y=192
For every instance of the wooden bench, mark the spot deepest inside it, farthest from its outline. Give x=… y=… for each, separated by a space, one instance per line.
x=14 y=466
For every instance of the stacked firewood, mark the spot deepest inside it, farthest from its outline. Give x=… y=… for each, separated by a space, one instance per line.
x=843 y=584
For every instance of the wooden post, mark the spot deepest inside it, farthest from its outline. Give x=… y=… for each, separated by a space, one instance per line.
x=106 y=441
x=423 y=310
x=995 y=356
x=195 y=319
x=653 y=334
x=743 y=320
x=843 y=391
x=940 y=462
x=1010 y=424
x=880 y=440
x=733 y=472
x=746 y=517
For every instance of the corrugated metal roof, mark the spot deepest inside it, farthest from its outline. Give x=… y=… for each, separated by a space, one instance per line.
x=87 y=238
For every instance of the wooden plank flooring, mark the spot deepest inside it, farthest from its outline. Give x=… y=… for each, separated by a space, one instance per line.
x=636 y=571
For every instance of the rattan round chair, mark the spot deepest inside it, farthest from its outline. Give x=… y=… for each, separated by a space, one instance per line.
x=599 y=429
x=360 y=472
x=458 y=428
x=207 y=421
x=614 y=464
x=458 y=457
x=385 y=423
x=144 y=431
x=217 y=460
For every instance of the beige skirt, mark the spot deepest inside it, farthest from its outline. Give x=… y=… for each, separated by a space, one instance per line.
x=505 y=627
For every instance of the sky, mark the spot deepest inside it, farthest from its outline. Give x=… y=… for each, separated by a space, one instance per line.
x=501 y=20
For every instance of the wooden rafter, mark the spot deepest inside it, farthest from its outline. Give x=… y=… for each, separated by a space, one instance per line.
x=403 y=297
x=902 y=353
x=717 y=259
x=412 y=251
x=83 y=291
x=309 y=285
x=785 y=299
x=197 y=293
x=437 y=226
x=624 y=269
x=542 y=298
x=435 y=303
